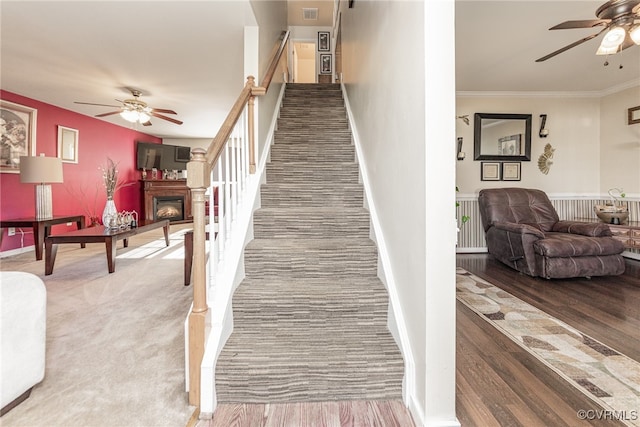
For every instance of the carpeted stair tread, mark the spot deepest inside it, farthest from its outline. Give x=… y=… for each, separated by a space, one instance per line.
x=308 y=194
x=320 y=222
x=310 y=316
x=296 y=258
x=303 y=172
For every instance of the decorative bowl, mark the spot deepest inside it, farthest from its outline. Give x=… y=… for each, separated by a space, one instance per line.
x=612 y=214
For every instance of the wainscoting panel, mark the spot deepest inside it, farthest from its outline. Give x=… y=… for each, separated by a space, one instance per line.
x=471 y=235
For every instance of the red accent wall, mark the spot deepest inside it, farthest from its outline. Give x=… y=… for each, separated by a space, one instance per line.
x=82 y=191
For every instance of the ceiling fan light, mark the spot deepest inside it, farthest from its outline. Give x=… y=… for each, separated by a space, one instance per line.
x=143 y=117
x=129 y=115
x=634 y=33
x=607 y=50
x=613 y=38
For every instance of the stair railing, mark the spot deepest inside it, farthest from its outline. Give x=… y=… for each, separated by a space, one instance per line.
x=224 y=168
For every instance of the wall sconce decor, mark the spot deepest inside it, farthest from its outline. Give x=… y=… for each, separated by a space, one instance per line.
x=544 y=161
x=464 y=118
x=543 y=132
x=461 y=154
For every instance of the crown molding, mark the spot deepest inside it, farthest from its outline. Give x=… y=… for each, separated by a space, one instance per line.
x=550 y=94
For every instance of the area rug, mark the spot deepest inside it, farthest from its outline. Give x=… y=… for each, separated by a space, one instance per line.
x=608 y=377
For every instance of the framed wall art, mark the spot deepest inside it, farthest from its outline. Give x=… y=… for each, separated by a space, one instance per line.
x=68 y=144
x=323 y=41
x=490 y=171
x=633 y=115
x=325 y=64
x=18 y=135
x=511 y=171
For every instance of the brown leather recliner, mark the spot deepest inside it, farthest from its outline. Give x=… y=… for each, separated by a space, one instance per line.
x=522 y=230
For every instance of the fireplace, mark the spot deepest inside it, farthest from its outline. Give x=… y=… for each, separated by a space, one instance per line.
x=170 y=198
x=168 y=207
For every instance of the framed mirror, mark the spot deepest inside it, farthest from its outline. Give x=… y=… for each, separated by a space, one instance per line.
x=502 y=137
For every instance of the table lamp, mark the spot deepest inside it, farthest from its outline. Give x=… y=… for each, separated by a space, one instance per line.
x=41 y=170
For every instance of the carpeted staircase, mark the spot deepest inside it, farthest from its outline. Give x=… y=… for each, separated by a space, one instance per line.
x=310 y=317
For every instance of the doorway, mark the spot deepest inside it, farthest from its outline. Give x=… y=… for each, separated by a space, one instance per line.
x=304 y=62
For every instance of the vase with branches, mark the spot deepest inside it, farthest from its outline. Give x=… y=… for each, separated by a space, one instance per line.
x=111 y=184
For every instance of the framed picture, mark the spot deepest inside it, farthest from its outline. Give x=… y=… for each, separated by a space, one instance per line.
x=511 y=171
x=323 y=41
x=509 y=146
x=68 y=144
x=325 y=64
x=490 y=171
x=634 y=115
x=18 y=135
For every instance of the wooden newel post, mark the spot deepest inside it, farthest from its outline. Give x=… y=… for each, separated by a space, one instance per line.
x=198 y=180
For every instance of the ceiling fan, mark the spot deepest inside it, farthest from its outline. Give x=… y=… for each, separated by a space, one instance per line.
x=136 y=111
x=619 y=17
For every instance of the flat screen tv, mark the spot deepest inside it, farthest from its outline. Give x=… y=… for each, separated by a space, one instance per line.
x=161 y=156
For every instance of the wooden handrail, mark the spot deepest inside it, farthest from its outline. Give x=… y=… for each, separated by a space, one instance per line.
x=198 y=180
x=271 y=70
x=219 y=141
x=250 y=89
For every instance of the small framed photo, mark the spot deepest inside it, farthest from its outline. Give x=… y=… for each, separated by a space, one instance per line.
x=323 y=41
x=634 y=115
x=511 y=171
x=325 y=64
x=68 y=144
x=18 y=135
x=490 y=171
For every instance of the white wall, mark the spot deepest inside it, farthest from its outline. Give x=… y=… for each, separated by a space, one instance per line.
x=384 y=74
x=595 y=149
x=620 y=143
x=271 y=17
x=574 y=129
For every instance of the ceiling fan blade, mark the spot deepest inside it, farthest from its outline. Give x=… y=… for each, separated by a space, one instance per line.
x=588 y=23
x=160 y=116
x=162 y=110
x=100 y=105
x=107 y=114
x=569 y=46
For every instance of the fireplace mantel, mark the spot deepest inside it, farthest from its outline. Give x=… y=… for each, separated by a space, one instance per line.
x=152 y=188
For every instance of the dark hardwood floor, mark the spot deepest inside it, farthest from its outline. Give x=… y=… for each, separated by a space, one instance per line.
x=499 y=384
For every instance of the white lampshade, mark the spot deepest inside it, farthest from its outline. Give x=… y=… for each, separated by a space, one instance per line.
x=40 y=169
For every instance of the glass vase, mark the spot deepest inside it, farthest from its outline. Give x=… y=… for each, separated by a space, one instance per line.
x=109 y=213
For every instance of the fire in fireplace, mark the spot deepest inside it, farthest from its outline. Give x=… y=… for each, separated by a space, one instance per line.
x=168 y=207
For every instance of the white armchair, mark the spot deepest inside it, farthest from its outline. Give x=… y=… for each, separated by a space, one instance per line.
x=23 y=310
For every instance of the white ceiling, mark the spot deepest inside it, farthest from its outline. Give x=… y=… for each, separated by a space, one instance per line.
x=497 y=43
x=186 y=56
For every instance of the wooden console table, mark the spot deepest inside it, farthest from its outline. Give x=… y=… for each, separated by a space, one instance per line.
x=100 y=234
x=628 y=234
x=41 y=227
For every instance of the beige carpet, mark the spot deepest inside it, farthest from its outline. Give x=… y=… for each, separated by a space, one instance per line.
x=115 y=342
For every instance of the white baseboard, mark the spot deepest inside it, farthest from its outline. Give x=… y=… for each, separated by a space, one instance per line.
x=17 y=251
